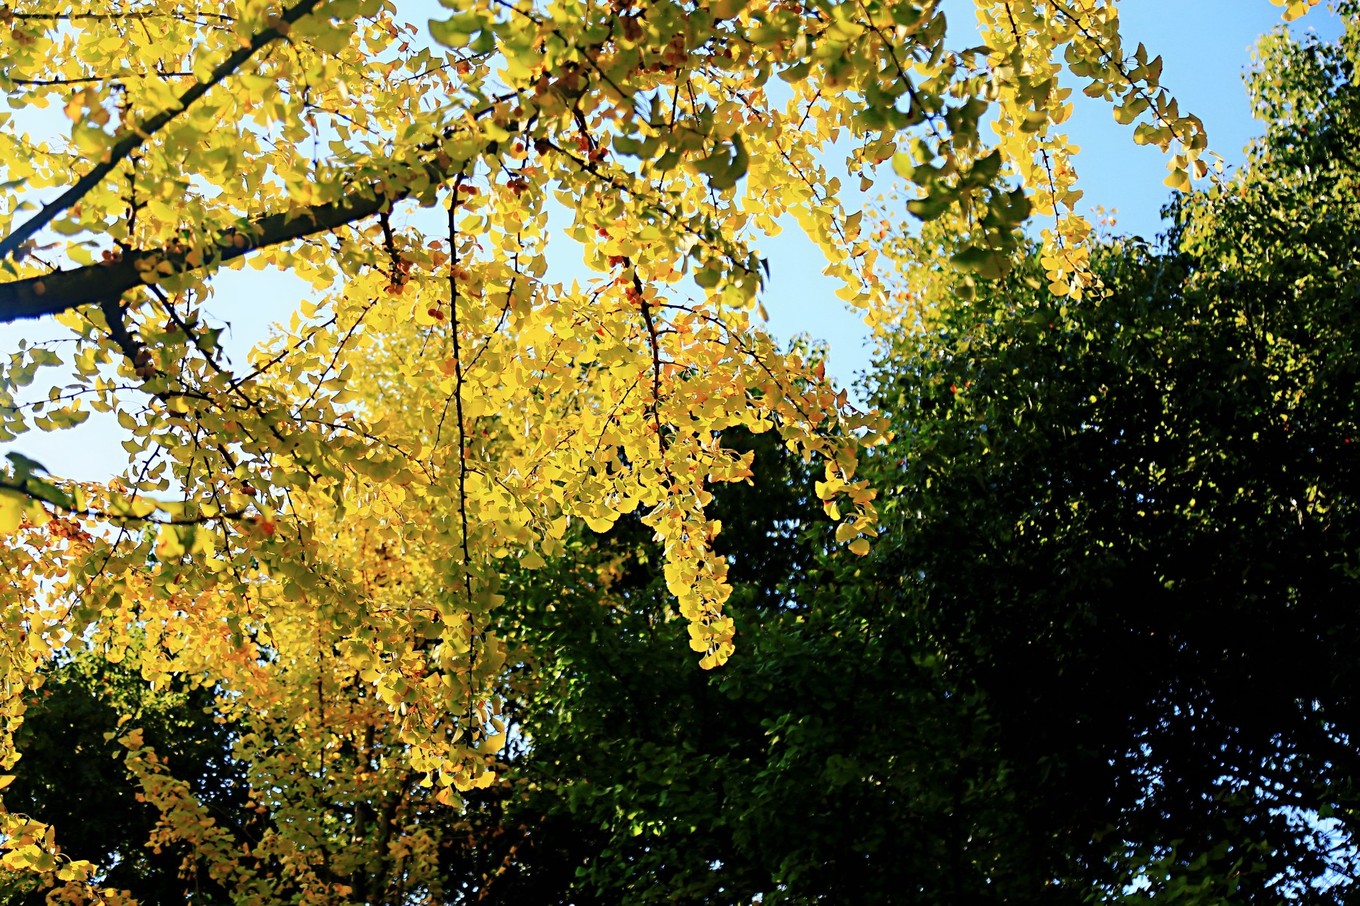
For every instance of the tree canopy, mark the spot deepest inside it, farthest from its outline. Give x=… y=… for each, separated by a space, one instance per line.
x=1133 y=520
x=322 y=539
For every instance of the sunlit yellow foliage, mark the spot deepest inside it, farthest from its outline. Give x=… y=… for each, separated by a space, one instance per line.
x=317 y=533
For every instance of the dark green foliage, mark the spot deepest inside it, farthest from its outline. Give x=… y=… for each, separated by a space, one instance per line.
x=1136 y=522
x=73 y=775
x=830 y=761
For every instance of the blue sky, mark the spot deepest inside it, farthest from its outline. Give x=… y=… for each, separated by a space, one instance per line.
x=1206 y=46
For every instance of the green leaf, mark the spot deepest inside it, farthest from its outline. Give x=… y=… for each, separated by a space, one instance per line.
x=797 y=72
x=724 y=170
x=902 y=165
x=987 y=263
x=46 y=491
x=449 y=32
x=23 y=466
x=485 y=42
x=928 y=208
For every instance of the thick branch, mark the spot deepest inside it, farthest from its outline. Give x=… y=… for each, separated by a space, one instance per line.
x=134 y=138
x=86 y=80
x=62 y=291
x=117 y=17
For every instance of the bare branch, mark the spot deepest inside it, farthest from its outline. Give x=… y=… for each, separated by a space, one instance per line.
x=118 y=17
x=87 y=80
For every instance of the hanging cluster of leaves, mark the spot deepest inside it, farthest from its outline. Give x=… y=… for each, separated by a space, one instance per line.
x=318 y=534
x=831 y=761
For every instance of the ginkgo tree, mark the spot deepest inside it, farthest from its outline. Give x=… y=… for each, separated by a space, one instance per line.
x=330 y=518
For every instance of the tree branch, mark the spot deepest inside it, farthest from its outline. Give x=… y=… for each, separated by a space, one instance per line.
x=86 y=80
x=60 y=291
x=135 y=137
x=114 y=17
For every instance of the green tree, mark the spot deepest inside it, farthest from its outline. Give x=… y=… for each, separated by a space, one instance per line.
x=1135 y=520
x=75 y=773
x=834 y=761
